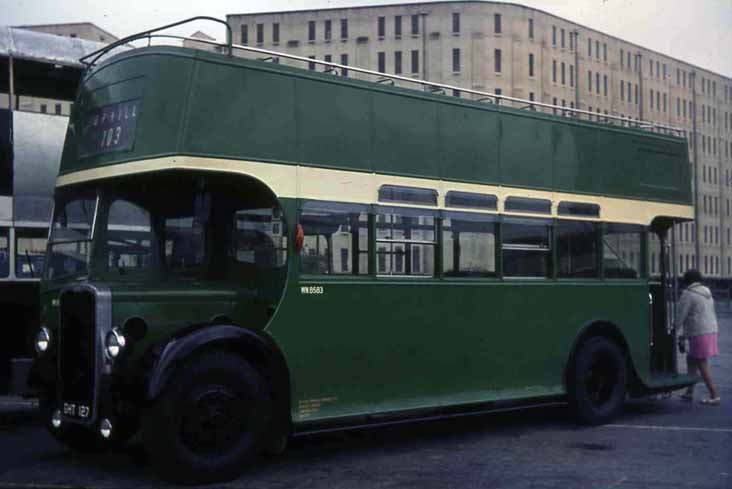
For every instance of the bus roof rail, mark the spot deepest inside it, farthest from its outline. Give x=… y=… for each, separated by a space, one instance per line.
x=149 y=34
x=428 y=86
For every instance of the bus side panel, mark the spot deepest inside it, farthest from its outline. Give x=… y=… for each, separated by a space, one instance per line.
x=359 y=347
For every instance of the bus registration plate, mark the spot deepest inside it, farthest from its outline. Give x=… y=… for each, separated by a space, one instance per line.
x=78 y=411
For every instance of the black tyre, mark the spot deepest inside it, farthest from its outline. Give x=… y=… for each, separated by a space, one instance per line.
x=598 y=381
x=76 y=437
x=207 y=423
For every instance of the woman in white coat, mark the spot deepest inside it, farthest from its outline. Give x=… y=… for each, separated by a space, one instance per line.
x=697 y=322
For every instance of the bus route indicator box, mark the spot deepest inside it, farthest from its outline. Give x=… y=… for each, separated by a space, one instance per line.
x=110 y=128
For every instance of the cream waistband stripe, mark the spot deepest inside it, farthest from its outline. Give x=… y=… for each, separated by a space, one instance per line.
x=293 y=181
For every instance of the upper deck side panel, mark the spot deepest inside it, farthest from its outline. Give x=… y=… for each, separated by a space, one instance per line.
x=204 y=104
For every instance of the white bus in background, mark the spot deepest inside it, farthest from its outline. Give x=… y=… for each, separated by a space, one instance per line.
x=33 y=67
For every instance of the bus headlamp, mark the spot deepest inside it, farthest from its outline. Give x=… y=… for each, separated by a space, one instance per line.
x=43 y=340
x=114 y=343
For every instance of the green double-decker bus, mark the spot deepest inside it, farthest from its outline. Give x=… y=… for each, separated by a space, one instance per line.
x=242 y=251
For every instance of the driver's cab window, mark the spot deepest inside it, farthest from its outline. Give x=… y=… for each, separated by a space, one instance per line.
x=184 y=244
x=129 y=237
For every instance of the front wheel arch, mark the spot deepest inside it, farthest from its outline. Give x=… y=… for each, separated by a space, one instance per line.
x=256 y=347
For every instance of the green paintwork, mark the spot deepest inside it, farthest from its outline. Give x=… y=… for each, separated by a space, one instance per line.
x=205 y=104
x=370 y=345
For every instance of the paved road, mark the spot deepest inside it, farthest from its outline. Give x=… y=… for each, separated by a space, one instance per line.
x=657 y=443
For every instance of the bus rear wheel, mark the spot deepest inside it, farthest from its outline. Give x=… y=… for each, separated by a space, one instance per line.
x=598 y=381
x=208 y=421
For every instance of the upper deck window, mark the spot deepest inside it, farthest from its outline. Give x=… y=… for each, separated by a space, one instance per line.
x=528 y=205
x=407 y=195
x=471 y=200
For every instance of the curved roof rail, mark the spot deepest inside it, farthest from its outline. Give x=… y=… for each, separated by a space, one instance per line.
x=148 y=34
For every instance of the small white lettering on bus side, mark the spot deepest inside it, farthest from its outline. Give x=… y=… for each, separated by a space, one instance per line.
x=312 y=289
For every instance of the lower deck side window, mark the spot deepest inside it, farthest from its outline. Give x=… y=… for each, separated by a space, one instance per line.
x=469 y=245
x=335 y=239
x=622 y=256
x=526 y=248
x=577 y=249
x=405 y=241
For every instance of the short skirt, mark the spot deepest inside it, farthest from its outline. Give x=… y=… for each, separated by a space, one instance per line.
x=703 y=346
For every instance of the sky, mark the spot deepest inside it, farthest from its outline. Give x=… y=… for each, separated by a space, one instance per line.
x=695 y=31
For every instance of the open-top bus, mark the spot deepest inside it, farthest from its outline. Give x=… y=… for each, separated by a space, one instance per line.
x=243 y=250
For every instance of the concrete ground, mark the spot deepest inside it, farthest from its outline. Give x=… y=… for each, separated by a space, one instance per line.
x=657 y=443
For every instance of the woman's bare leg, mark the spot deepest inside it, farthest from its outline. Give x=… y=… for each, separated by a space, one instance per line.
x=707 y=376
x=691 y=370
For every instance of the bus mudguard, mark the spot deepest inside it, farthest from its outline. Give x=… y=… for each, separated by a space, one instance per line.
x=258 y=348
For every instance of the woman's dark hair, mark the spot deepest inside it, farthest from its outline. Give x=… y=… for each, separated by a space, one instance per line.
x=692 y=275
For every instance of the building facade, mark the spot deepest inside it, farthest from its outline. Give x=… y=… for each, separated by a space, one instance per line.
x=517 y=51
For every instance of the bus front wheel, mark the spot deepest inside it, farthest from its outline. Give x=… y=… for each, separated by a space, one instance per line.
x=207 y=423
x=598 y=381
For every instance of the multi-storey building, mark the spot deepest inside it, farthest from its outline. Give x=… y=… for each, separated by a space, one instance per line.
x=517 y=51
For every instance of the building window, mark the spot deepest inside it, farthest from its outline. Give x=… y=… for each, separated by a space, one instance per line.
x=260 y=33
x=311 y=30
x=398 y=26
x=589 y=81
x=275 y=33
x=531 y=64
x=597 y=49
x=597 y=83
x=44 y=108
x=563 y=73
x=571 y=41
x=531 y=29
x=604 y=85
x=497 y=60
x=561 y=38
x=328 y=30
x=344 y=28
x=554 y=70
x=58 y=109
x=498 y=91
x=622 y=56
x=382 y=27
x=415 y=61
x=497 y=23
x=604 y=52
x=554 y=35
x=589 y=48
x=415 y=25
x=456 y=60
x=455 y=23
x=382 y=61
x=571 y=75
x=311 y=65
x=245 y=34
x=531 y=96
x=622 y=90
x=398 y=62
x=344 y=62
